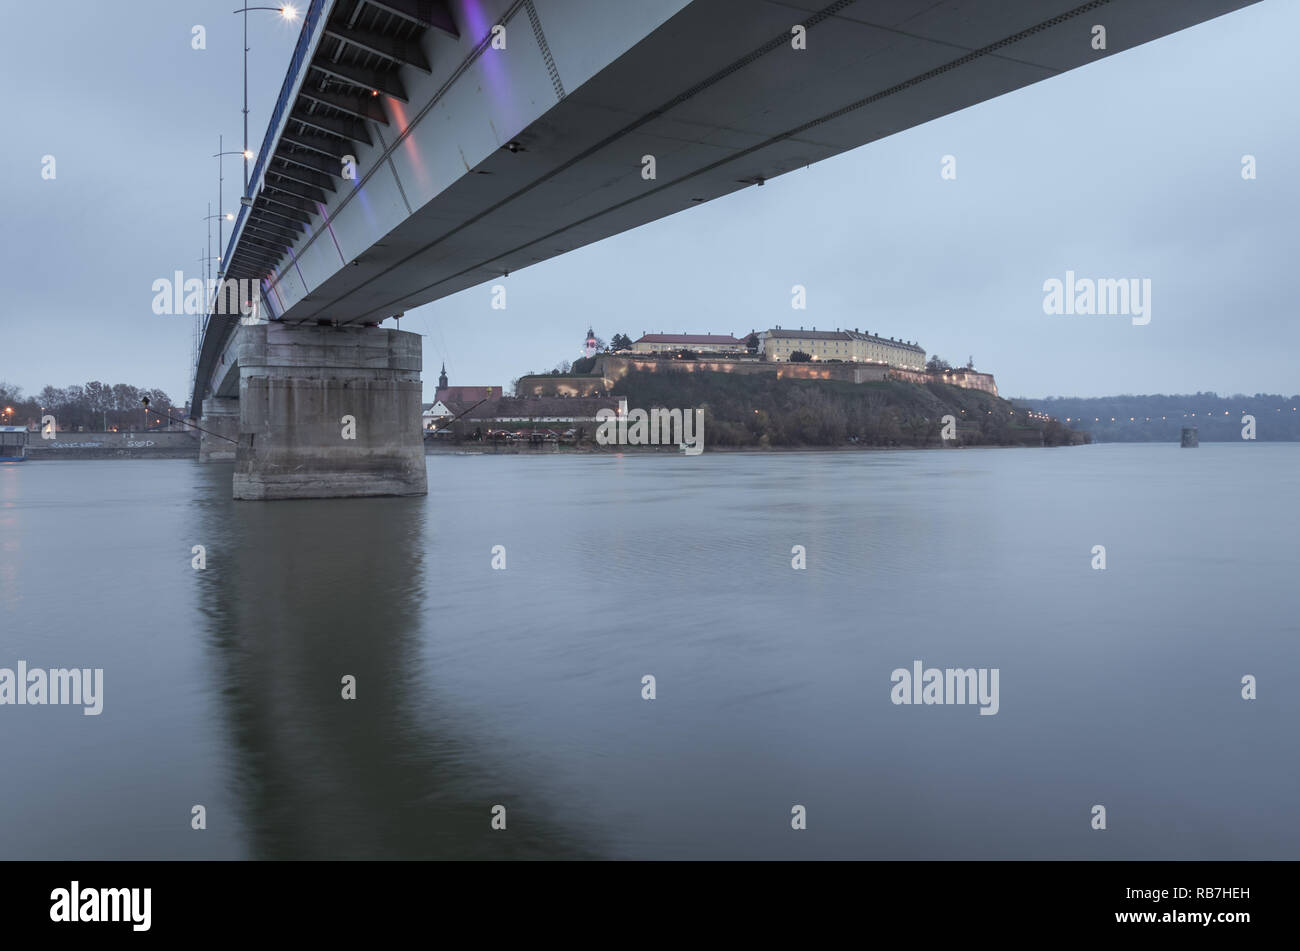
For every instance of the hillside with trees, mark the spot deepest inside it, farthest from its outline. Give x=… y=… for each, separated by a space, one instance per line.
x=760 y=411
x=1160 y=418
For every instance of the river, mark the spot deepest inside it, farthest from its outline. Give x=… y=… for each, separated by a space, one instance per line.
x=479 y=686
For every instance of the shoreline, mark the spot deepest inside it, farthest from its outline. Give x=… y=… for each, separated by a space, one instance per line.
x=473 y=450
x=171 y=454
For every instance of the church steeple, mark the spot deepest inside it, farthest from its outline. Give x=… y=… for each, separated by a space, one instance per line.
x=442 y=377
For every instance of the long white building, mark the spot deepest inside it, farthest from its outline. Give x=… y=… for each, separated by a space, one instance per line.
x=852 y=346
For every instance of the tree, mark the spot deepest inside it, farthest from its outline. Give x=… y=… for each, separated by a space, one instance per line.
x=98 y=397
x=799 y=356
x=621 y=342
x=52 y=397
x=124 y=397
x=970 y=363
x=92 y=406
x=936 y=364
x=158 y=399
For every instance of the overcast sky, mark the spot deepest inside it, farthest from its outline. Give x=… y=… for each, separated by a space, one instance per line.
x=1130 y=167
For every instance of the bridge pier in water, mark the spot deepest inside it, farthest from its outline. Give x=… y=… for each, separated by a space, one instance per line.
x=220 y=418
x=328 y=412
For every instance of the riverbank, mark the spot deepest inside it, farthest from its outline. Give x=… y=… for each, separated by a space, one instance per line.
x=151 y=445
x=479 y=449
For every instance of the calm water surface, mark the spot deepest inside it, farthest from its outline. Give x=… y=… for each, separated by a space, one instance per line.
x=522 y=687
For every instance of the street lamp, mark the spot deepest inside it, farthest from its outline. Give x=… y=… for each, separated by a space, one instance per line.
x=206 y=262
x=289 y=14
x=228 y=216
x=220 y=185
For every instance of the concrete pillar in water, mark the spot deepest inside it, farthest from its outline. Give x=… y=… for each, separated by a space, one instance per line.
x=220 y=418
x=1189 y=437
x=328 y=412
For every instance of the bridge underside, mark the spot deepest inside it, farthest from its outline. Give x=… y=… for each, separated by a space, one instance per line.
x=476 y=162
x=721 y=100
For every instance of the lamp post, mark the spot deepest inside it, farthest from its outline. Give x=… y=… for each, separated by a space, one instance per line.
x=288 y=13
x=206 y=262
x=220 y=185
x=228 y=216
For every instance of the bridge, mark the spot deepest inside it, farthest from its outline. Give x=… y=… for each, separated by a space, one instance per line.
x=420 y=147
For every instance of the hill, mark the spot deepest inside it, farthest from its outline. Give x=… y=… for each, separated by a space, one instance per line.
x=1160 y=418
x=761 y=410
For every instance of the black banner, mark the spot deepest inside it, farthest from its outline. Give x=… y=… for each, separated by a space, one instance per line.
x=977 y=900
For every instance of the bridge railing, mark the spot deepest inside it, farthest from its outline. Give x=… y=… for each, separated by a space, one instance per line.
x=315 y=12
x=282 y=103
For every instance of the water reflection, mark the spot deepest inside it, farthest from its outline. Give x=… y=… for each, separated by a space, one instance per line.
x=295 y=596
x=9 y=549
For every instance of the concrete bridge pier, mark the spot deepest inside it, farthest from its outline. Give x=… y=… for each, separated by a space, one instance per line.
x=328 y=412
x=220 y=418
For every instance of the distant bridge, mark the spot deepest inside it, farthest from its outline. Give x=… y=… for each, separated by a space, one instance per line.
x=420 y=147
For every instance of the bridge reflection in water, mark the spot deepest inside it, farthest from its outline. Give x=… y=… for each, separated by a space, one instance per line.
x=318 y=590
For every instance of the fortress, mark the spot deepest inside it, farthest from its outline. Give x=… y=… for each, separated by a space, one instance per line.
x=613 y=367
x=849 y=356
x=779 y=345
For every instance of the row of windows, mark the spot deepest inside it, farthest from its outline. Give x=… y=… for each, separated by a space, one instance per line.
x=903 y=356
